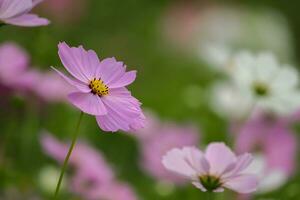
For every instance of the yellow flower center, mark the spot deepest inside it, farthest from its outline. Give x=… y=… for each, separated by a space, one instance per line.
x=98 y=87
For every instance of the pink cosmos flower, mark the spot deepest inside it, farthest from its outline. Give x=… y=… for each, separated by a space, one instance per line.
x=265 y=135
x=213 y=170
x=16 y=76
x=101 y=89
x=92 y=177
x=157 y=139
x=14 y=62
x=14 y=72
x=84 y=158
x=15 y=12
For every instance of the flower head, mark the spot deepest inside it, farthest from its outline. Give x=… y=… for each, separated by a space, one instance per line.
x=14 y=62
x=15 y=12
x=213 y=170
x=101 y=89
x=264 y=82
x=273 y=165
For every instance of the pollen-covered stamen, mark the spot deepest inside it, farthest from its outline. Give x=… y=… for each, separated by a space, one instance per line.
x=210 y=183
x=98 y=87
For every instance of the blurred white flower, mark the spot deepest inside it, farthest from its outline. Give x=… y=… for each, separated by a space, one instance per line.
x=228 y=102
x=48 y=177
x=261 y=80
x=216 y=55
x=270 y=179
x=223 y=31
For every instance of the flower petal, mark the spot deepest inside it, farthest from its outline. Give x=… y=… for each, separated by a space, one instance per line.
x=27 y=20
x=241 y=164
x=88 y=103
x=110 y=70
x=14 y=8
x=13 y=61
x=175 y=161
x=219 y=157
x=78 y=84
x=123 y=111
x=266 y=67
x=53 y=147
x=112 y=122
x=196 y=160
x=125 y=80
x=79 y=62
x=242 y=184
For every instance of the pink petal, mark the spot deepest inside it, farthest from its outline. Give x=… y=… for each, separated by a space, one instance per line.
x=111 y=123
x=13 y=61
x=175 y=161
x=27 y=20
x=122 y=114
x=138 y=123
x=219 y=157
x=53 y=147
x=242 y=184
x=241 y=164
x=110 y=70
x=79 y=62
x=283 y=158
x=14 y=8
x=78 y=84
x=125 y=80
x=126 y=107
x=88 y=103
x=196 y=160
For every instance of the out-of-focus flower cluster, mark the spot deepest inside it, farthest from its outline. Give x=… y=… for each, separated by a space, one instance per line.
x=17 y=76
x=257 y=95
x=92 y=178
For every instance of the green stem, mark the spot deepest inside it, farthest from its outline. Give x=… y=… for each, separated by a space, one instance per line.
x=209 y=196
x=64 y=167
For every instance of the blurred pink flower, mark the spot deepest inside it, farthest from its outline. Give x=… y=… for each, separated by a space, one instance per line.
x=266 y=135
x=213 y=170
x=47 y=85
x=15 y=12
x=157 y=139
x=63 y=10
x=101 y=88
x=116 y=191
x=92 y=177
x=14 y=62
x=16 y=76
x=84 y=158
